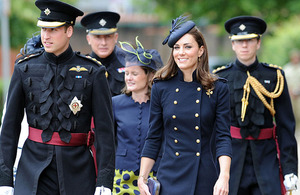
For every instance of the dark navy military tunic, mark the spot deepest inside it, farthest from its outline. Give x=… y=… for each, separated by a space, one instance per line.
x=262 y=153
x=114 y=64
x=192 y=126
x=45 y=85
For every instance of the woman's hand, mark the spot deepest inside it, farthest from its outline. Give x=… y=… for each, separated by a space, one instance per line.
x=142 y=184
x=222 y=186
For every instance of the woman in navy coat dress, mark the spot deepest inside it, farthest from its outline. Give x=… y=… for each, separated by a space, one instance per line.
x=189 y=119
x=131 y=115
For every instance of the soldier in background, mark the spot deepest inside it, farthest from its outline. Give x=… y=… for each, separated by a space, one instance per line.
x=259 y=97
x=292 y=73
x=102 y=37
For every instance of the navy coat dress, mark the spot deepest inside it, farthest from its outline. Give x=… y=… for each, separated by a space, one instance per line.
x=131 y=121
x=262 y=154
x=192 y=126
x=45 y=85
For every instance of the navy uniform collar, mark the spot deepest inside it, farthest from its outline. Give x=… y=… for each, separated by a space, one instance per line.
x=65 y=56
x=247 y=68
x=180 y=75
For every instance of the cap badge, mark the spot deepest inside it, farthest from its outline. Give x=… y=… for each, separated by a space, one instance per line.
x=78 y=69
x=75 y=105
x=47 y=11
x=242 y=27
x=102 y=22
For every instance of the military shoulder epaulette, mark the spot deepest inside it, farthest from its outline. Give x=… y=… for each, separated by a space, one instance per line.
x=272 y=66
x=222 y=79
x=28 y=57
x=222 y=68
x=89 y=58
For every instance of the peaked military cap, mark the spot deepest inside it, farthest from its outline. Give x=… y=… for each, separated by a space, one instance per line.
x=180 y=26
x=245 y=27
x=101 y=23
x=56 y=13
x=140 y=56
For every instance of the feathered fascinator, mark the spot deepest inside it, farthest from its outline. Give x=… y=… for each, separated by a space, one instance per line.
x=140 y=56
x=180 y=26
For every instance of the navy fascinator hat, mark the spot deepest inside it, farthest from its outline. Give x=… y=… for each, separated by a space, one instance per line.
x=180 y=26
x=140 y=56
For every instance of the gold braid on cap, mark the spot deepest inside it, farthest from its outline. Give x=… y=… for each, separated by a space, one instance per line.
x=261 y=91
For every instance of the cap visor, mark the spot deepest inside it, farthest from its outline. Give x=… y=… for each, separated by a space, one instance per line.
x=243 y=37
x=48 y=24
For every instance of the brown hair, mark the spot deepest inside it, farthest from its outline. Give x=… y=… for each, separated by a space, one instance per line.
x=202 y=71
x=147 y=71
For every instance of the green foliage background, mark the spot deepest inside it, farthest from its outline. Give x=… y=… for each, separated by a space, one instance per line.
x=281 y=41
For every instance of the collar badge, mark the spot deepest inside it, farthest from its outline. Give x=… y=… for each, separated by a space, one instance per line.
x=75 y=105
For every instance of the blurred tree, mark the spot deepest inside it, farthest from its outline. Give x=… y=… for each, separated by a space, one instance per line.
x=280 y=42
x=23 y=19
x=218 y=11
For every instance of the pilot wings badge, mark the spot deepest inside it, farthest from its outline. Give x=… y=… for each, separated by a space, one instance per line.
x=78 y=69
x=75 y=105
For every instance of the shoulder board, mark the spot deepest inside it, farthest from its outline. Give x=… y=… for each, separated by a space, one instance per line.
x=89 y=58
x=272 y=66
x=28 y=57
x=222 y=79
x=222 y=68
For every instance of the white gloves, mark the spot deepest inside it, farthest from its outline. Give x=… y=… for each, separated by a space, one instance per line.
x=6 y=190
x=101 y=191
x=290 y=182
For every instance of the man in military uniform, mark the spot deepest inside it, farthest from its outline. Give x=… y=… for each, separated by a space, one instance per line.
x=61 y=91
x=102 y=37
x=262 y=120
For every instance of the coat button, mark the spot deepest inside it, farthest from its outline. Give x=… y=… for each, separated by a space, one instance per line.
x=177 y=153
x=198 y=141
x=174 y=116
x=175 y=128
x=177 y=89
x=176 y=141
x=198 y=154
x=198 y=89
x=197 y=101
x=175 y=102
x=197 y=127
x=196 y=115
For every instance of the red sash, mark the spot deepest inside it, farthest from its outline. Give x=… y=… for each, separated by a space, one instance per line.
x=266 y=133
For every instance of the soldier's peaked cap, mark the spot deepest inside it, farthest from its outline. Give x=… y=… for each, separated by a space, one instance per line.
x=56 y=13
x=245 y=27
x=101 y=23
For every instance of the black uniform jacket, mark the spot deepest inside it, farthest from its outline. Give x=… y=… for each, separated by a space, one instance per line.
x=114 y=64
x=263 y=152
x=45 y=85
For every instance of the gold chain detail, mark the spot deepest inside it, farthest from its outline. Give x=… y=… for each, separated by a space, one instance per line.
x=261 y=91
